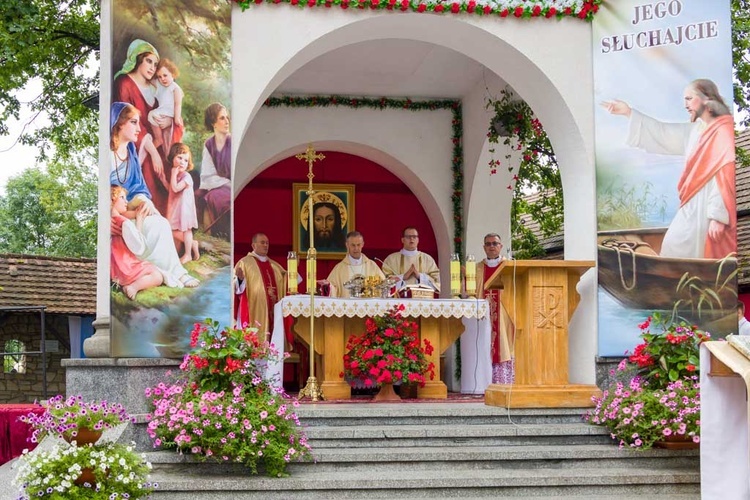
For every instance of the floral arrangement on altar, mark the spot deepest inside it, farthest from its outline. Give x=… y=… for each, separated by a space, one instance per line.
x=657 y=396
x=221 y=406
x=93 y=471
x=389 y=351
x=65 y=417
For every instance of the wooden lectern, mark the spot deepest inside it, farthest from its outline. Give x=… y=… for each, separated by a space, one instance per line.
x=540 y=297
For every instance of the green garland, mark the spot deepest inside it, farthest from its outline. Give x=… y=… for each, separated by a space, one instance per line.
x=521 y=9
x=457 y=165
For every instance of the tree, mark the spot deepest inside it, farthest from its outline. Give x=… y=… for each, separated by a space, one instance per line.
x=50 y=212
x=56 y=42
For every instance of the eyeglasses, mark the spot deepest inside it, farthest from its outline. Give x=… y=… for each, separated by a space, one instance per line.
x=411 y=236
x=492 y=244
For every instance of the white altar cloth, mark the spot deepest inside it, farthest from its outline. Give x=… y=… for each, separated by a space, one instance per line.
x=476 y=365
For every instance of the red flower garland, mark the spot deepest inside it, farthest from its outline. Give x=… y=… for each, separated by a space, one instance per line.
x=586 y=11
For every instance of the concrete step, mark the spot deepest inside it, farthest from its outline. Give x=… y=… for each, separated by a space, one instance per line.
x=539 y=483
x=441 y=435
x=431 y=413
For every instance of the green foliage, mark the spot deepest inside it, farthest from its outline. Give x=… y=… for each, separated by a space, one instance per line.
x=58 y=44
x=50 y=213
x=537 y=173
x=741 y=57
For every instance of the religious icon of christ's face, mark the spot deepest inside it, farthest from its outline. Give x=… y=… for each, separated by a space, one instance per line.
x=324 y=220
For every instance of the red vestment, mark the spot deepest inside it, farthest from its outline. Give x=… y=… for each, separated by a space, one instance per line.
x=714 y=157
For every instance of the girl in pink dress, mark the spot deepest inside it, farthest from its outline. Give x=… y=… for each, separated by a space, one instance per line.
x=127 y=270
x=181 y=205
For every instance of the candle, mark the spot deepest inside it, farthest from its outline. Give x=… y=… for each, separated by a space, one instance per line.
x=455 y=275
x=471 y=276
x=311 y=280
x=291 y=273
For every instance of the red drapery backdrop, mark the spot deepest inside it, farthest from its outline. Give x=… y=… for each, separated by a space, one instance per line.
x=383 y=204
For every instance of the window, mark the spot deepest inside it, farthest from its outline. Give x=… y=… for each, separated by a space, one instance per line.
x=14 y=363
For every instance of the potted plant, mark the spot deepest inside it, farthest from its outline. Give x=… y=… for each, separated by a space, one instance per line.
x=656 y=400
x=93 y=471
x=75 y=419
x=222 y=407
x=388 y=352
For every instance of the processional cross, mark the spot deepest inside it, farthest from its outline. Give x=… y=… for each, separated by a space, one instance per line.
x=311 y=389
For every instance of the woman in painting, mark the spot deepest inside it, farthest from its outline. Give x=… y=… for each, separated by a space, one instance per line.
x=125 y=171
x=133 y=85
x=216 y=169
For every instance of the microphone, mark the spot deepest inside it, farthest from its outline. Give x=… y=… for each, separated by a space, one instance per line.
x=381 y=262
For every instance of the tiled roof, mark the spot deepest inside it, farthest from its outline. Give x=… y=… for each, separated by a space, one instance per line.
x=62 y=285
x=553 y=244
x=743 y=174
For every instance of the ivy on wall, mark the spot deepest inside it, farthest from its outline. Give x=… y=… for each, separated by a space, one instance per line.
x=457 y=162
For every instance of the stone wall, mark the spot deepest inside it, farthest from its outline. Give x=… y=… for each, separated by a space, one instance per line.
x=28 y=387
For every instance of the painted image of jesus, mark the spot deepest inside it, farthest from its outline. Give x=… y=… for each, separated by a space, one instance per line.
x=705 y=224
x=332 y=218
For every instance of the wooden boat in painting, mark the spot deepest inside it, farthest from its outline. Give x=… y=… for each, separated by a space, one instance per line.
x=633 y=273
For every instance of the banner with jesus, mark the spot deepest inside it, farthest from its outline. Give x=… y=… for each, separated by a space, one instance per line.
x=170 y=173
x=667 y=219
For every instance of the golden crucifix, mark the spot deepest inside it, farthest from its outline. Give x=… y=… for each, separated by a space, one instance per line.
x=311 y=389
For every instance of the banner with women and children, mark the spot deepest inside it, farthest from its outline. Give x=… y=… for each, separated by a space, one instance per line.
x=170 y=173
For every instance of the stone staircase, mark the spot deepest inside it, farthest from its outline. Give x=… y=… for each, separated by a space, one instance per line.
x=444 y=450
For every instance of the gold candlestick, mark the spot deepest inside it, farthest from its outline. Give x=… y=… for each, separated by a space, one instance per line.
x=311 y=389
x=291 y=273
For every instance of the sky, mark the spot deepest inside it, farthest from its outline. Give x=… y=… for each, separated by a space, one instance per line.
x=14 y=158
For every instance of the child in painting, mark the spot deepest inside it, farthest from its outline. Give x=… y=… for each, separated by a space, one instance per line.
x=181 y=205
x=169 y=113
x=127 y=270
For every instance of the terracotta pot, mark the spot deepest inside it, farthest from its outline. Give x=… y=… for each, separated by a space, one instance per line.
x=677 y=442
x=85 y=436
x=386 y=393
x=87 y=476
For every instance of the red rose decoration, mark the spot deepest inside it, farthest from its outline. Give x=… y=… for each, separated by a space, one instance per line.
x=536 y=11
x=487 y=9
x=568 y=11
x=439 y=8
x=471 y=6
x=294 y=2
x=421 y=7
x=518 y=12
x=344 y=5
x=404 y=4
x=551 y=12
x=504 y=13
x=455 y=7
x=374 y=4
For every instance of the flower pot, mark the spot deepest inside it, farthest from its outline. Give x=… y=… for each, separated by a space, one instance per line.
x=386 y=393
x=85 y=436
x=677 y=442
x=408 y=391
x=87 y=476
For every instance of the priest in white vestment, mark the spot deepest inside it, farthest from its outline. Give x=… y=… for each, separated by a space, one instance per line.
x=354 y=264
x=706 y=223
x=411 y=265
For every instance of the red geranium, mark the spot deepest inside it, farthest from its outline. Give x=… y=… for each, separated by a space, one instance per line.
x=389 y=351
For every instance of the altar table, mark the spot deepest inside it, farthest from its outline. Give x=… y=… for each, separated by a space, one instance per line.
x=441 y=321
x=13 y=433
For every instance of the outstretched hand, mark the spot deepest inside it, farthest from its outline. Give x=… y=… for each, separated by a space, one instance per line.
x=616 y=107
